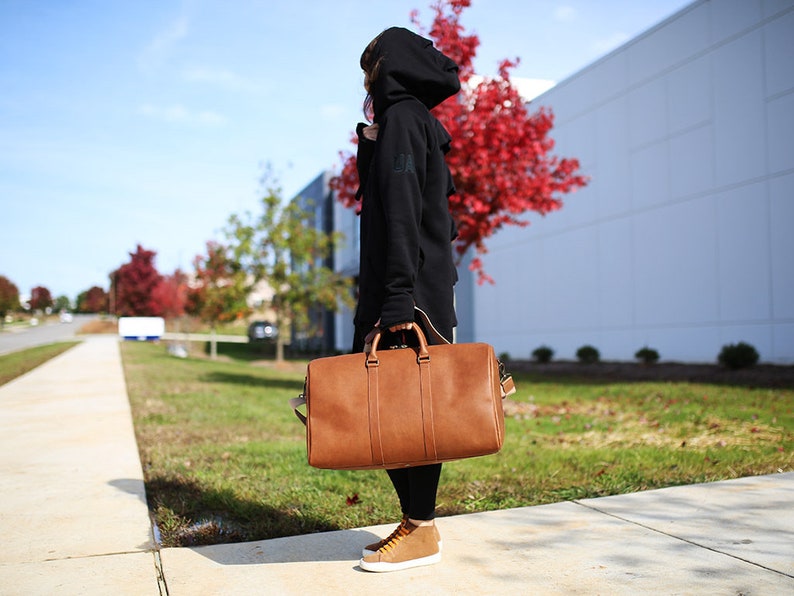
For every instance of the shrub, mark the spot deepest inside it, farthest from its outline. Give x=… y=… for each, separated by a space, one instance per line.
x=647 y=355
x=739 y=355
x=543 y=354
x=504 y=357
x=588 y=354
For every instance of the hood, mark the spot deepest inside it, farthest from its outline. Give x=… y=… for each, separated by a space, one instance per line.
x=411 y=67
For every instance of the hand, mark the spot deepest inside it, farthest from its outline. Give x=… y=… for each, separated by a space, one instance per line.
x=371 y=335
x=371 y=132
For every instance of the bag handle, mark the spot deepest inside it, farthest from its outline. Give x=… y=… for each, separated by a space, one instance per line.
x=372 y=356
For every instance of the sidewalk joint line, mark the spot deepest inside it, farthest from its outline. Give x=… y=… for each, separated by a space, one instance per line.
x=158 y=566
x=97 y=555
x=692 y=542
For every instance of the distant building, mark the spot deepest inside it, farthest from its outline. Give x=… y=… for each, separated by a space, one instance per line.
x=333 y=331
x=683 y=239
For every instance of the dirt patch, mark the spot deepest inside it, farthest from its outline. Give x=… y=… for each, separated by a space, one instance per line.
x=762 y=375
x=92 y=327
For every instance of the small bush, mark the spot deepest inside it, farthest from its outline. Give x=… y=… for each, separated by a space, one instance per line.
x=647 y=355
x=739 y=355
x=504 y=357
x=588 y=355
x=543 y=354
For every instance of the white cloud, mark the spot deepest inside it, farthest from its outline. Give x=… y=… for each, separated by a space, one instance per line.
x=565 y=13
x=159 y=47
x=179 y=114
x=528 y=89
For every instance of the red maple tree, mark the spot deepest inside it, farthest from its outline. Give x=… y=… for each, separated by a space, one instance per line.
x=501 y=159
x=170 y=294
x=133 y=285
x=93 y=300
x=40 y=299
x=9 y=298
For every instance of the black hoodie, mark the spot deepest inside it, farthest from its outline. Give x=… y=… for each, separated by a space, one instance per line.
x=406 y=228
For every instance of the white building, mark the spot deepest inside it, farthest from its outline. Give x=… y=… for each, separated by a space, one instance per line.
x=683 y=241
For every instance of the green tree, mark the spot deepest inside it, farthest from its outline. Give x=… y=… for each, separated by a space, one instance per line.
x=9 y=298
x=62 y=303
x=220 y=289
x=283 y=247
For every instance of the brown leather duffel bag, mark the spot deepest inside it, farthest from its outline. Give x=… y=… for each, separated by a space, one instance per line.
x=403 y=407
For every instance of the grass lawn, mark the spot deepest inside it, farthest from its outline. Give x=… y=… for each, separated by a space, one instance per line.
x=225 y=460
x=18 y=363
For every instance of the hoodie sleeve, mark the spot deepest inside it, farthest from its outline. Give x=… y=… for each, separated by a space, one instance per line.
x=401 y=166
x=363 y=158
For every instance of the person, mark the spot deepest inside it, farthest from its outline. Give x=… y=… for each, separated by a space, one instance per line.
x=406 y=258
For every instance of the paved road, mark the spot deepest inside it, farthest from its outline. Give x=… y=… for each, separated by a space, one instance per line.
x=18 y=338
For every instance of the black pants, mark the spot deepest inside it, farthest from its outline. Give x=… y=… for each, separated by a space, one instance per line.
x=416 y=487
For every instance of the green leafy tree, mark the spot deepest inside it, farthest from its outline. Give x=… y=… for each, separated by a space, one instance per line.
x=283 y=247
x=9 y=298
x=62 y=303
x=220 y=289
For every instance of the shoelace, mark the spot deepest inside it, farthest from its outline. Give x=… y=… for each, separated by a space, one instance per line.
x=403 y=521
x=400 y=533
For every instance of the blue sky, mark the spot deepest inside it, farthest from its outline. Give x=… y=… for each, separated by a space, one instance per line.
x=147 y=122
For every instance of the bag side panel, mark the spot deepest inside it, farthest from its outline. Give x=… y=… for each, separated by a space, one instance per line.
x=338 y=422
x=467 y=402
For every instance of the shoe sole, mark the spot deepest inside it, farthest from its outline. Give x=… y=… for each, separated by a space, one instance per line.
x=384 y=567
x=366 y=552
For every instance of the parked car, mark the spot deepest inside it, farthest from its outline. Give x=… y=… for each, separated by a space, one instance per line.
x=262 y=331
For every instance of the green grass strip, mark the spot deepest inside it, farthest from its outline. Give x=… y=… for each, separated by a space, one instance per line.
x=16 y=364
x=225 y=459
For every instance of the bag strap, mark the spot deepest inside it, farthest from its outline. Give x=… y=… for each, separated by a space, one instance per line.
x=297 y=402
x=430 y=327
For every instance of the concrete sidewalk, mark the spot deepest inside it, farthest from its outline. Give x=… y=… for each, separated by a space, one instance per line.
x=74 y=521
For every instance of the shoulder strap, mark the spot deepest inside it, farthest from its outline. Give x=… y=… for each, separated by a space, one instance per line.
x=431 y=330
x=505 y=378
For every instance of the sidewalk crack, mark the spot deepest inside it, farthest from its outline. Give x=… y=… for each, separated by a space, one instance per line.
x=680 y=538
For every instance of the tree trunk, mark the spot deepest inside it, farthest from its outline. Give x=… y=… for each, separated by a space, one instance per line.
x=213 y=344
x=279 y=337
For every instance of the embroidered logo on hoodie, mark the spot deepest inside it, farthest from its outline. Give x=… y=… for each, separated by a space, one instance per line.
x=404 y=162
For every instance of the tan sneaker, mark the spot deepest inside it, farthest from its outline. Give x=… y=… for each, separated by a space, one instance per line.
x=376 y=546
x=411 y=546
